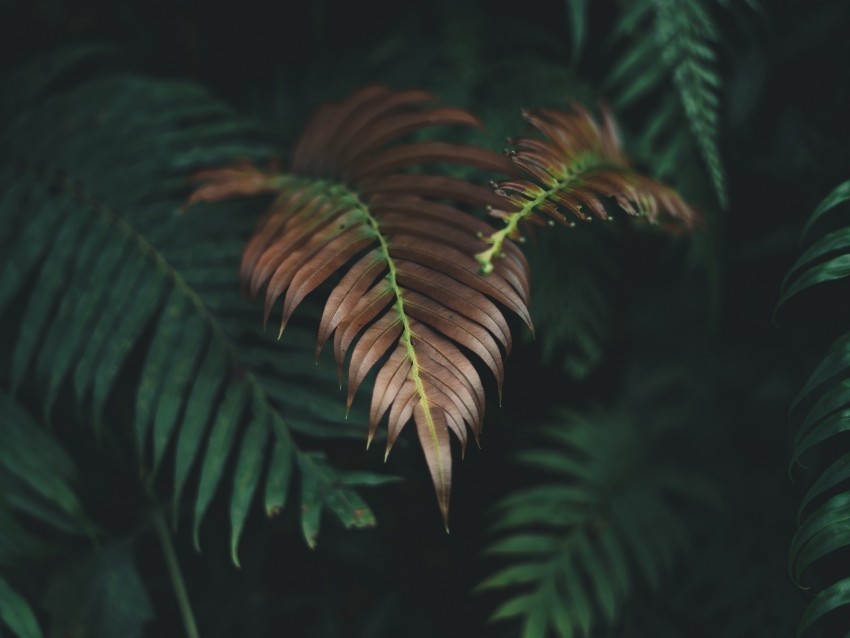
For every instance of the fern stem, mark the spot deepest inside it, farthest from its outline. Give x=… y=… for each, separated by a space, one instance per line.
x=496 y=240
x=174 y=573
x=406 y=338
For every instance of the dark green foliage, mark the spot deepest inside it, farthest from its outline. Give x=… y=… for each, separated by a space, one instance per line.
x=598 y=527
x=144 y=408
x=673 y=42
x=123 y=266
x=36 y=482
x=824 y=406
x=103 y=262
x=572 y=315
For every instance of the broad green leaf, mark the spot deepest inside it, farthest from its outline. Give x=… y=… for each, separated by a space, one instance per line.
x=218 y=449
x=549 y=515
x=535 y=621
x=822 y=543
x=312 y=496
x=349 y=507
x=627 y=517
x=146 y=295
x=249 y=466
x=279 y=477
x=560 y=463
x=47 y=291
x=837 y=361
x=836 y=473
x=577 y=600
x=16 y=614
x=836 y=595
x=600 y=580
x=561 y=494
x=199 y=411
x=178 y=383
x=160 y=358
x=523 y=544
x=15 y=541
x=836 y=510
x=838 y=196
x=838 y=240
x=124 y=284
x=515 y=575
x=89 y=247
x=57 y=359
x=516 y=606
x=367 y=479
x=832 y=270
x=614 y=554
x=561 y=620
x=36 y=460
x=577 y=10
x=829 y=427
x=832 y=400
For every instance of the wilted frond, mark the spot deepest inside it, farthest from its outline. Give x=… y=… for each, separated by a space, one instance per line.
x=604 y=522
x=825 y=509
x=569 y=173
x=410 y=297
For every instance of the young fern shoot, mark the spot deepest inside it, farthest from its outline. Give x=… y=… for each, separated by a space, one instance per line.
x=569 y=172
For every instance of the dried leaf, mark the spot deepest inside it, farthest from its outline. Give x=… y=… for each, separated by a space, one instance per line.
x=410 y=300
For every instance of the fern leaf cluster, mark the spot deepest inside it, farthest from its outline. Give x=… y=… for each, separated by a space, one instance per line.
x=573 y=315
x=601 y=525
x=680 y=50
x=102 y=263
x=825 y=509
x=413 y=297
x=578 y=163
x=37 y=480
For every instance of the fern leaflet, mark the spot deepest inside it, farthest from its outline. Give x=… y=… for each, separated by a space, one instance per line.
x=578 y=544
x=826 y=506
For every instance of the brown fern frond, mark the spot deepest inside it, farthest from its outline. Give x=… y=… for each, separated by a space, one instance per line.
x=577 y=165
x=411 y=300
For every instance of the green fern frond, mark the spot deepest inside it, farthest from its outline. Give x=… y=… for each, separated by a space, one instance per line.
x=572 y=313
x=579 y=544
x=680 y=50
x=37 y=492
x=826 y=505
x=577 y=12
x=16 y=614
x=105 y=267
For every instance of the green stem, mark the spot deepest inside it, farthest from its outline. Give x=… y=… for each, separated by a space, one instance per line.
x=496 y=240
x=174 y=574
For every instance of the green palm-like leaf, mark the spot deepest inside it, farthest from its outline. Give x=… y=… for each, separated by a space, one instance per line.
x=410 y=297
x=672 y=41
x=826 y=505
x=108 y=276
x=578 y=544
